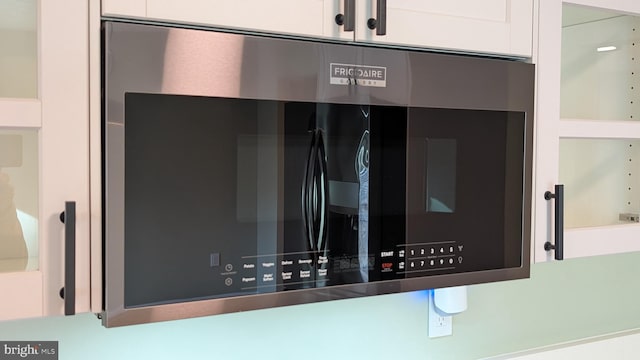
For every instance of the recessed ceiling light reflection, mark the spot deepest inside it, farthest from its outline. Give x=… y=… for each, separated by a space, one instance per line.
x=606 y=48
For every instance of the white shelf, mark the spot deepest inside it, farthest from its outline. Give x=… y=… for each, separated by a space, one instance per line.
x=603 y=129
x=20 y=113
x=605 y=239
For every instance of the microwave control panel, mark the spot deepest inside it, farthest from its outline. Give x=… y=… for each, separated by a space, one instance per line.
x=300 y=270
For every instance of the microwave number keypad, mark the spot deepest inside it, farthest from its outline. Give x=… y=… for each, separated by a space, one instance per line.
x=417 y=258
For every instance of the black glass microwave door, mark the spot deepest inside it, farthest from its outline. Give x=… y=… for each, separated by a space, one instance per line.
x=464 y=190
x=200 y=190
x=227 y=197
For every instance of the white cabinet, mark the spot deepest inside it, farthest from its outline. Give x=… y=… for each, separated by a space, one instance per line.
x=503 y=27
x=491 y=26
x=44 y=155
x=588 y=129
x=314 y=18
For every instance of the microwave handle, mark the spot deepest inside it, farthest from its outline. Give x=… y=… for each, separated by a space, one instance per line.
x=558 y=247
x=307 y=193
x=379 y=23
x=68 y=292
x=348 y=18
x=322 y=181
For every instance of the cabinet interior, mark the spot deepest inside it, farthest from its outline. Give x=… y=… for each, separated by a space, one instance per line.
x=19 y=49
x=19 y=168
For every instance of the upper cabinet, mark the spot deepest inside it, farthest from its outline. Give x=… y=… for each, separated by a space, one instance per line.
x=43 y=157
x=588 y=127
x=501 y=27
x=314 y=18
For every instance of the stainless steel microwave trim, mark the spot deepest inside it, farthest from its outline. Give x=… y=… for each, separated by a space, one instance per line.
x=162 y=60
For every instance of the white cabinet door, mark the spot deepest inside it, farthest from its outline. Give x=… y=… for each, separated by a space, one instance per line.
x=314 y=18
x=588 y=129
x=502 y=27
x=43 y=153
x=491 y=26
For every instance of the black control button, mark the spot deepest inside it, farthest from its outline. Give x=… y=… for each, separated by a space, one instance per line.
x=388 y=266
x=305 y=262
x=286 y=275
x=248 y=280
x=214 y=259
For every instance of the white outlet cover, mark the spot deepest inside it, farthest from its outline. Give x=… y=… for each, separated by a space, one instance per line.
x=440 y=324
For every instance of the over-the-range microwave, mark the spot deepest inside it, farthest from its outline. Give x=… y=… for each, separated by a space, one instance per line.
x=245 y=172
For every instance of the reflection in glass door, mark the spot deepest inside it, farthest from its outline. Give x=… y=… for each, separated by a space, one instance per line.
x=18 y=200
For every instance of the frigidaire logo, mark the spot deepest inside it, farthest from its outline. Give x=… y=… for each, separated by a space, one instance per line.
x=29 y=350
x=349 y=74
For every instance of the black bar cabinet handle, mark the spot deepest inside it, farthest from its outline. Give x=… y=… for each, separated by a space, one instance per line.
x=559 y=223
x=380 y=22
x=68 y=292
x=381 y=29
x=348 y=18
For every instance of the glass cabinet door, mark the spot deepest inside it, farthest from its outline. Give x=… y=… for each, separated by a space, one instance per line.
x=602 y=181
x=18 y=200
x=44 y=163
x=19 y=187
x=19 y=44
x=600 y=65
x=588 y=128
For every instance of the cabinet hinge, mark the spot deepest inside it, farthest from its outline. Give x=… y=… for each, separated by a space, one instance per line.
x=629 y=217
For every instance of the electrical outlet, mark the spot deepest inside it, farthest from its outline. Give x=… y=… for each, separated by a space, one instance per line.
x=439 y=324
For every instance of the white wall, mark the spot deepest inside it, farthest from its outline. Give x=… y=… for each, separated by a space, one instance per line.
x=561 y=302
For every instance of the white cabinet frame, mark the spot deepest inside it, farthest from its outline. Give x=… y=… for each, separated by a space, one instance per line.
x=60 y=115
x=550 y=128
